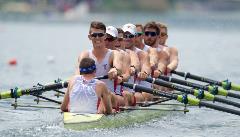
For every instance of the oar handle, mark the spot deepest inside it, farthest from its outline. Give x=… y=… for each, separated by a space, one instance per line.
x=102 y=77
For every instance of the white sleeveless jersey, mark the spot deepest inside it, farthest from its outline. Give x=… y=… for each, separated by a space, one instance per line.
x=83 y=97
x=102 y=68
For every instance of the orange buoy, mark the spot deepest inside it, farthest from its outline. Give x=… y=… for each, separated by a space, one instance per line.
x=12 y=62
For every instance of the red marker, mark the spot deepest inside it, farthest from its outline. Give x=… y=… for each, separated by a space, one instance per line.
x=12 y=62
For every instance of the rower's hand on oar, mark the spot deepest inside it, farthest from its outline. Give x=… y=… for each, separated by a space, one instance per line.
x=156 y=73
x=112 y=73
x=132 y=70
x=119 y=79
x=142 y=75
x=169 y=70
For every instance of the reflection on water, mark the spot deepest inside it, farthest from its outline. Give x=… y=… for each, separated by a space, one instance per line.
x=208 y=45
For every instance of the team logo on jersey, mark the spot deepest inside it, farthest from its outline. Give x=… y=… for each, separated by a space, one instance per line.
x=105 y=66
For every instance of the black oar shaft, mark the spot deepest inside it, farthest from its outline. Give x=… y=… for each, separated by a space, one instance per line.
x=219 y=108
x=192 y=91
x=138 y=88
x=45 y=88
x=182 y=82
x=195 y=77
x=211 y=89
x=191 y=101
x=54 y=89
x=48 y=99
x=15 y=93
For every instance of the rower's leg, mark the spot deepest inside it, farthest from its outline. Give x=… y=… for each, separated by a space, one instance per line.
x=139 y=97
x=127 y=98
x=147 y=96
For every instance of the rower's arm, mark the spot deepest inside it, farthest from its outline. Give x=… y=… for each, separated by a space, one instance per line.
x=102 y=92
x=115 y=62
x=82 y=55
x=173 y=59
x=146 y=67
x=153 y=55
x=126 y=65
x=65 y=103
x=162 y=63
x=134 y=60
x=117 y=58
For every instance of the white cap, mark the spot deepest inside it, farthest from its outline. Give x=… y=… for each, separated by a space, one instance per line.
x=130 y=28
x=112 y=31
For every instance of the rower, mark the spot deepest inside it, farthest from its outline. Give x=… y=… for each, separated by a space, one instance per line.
x=172 y=61
x=140 y=65
x=158 y=57
x=124 y=97
x=139 y=38
x=172 y=51
x=108 y=62
x=86 y=94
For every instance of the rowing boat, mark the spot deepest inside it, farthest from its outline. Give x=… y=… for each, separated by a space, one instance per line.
x=130 y=116
x=138 y=114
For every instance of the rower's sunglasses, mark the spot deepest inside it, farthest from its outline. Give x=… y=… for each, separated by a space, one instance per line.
x=129 y=36
x=150 y=33
x=110 y=39
x=97 y=35
x=139 y=34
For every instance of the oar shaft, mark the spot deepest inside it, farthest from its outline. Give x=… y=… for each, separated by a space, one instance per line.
x=211 y=89
x=183 y=82
x=138 y=88
x=195 y=77
x=48 y=99
x=180 y=98
x=204 y=95
x=219 y=108
x=225 y=101
x=19 y=92
x=225 y=84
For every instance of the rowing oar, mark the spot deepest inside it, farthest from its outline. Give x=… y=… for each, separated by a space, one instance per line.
x=212 y=89
x=225 y=84
x=16 y=93
x=200 y=94
x=181 y=98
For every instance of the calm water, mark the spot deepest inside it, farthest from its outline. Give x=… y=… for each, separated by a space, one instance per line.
x=208 y=45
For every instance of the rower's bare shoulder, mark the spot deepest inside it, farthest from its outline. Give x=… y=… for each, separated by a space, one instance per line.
x=84 y=54
x=173 y=49
x=101 y=85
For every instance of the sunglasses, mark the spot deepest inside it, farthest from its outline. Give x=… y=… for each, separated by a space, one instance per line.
x=163 y=34
x=110 y=39
x=97 y=35
x=129 y=36
x=139 y=34
x=150 y=33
